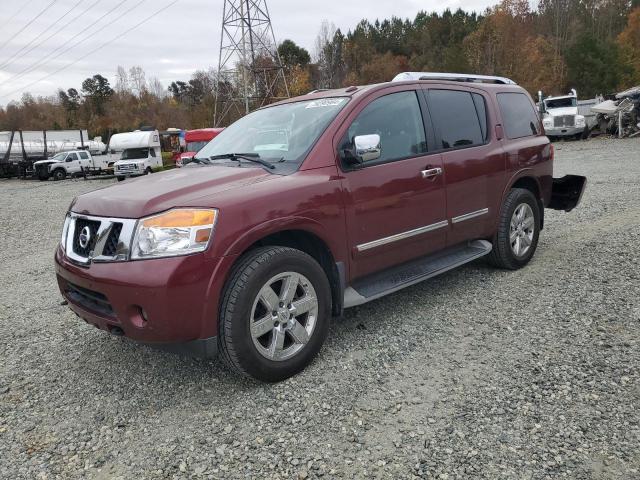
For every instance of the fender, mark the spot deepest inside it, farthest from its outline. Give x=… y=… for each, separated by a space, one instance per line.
x=271 y=227
x=523 y=173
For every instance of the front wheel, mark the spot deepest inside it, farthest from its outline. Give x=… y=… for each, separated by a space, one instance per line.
x=275 y=313
x=516 y=239
x=59 y=174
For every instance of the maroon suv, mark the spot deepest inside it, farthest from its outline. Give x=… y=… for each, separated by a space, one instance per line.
x=307 y=207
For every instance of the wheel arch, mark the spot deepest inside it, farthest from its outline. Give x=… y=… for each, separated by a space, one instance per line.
x=308 y=241
x=529 y=182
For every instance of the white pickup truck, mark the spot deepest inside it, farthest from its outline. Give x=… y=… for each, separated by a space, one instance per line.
x=63 y=164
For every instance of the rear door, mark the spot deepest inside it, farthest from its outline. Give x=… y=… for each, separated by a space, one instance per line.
x=474 y=163
x=394 y=212
x=84 y=159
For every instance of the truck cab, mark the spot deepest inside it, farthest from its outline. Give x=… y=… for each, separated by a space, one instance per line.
x=560 y=116
x=195 y=140
x=63 y=164
x=138 y=153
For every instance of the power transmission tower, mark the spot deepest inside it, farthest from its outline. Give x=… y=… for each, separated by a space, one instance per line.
x=250 y=73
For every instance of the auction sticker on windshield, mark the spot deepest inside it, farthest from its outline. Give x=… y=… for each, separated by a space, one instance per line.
x=326 y=102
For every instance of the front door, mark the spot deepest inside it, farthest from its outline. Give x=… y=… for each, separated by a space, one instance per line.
x=395 y=204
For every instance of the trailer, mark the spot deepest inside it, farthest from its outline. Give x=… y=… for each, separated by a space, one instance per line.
x=19 y=149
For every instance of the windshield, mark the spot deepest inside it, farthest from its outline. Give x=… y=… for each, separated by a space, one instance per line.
x=134 y=153
x=561 y=102
x=283 y=133
x=195 y=146
x=58 y=157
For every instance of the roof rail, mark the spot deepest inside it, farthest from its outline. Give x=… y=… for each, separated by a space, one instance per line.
x=455 y=77
x=319 y=90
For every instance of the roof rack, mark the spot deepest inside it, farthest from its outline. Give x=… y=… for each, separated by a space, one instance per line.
x=455 y=77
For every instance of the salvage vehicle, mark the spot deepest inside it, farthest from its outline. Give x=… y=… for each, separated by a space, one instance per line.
x=137 y=153
x=251 y=248
x=561 y=116
x=195 y=140
x=64 y=164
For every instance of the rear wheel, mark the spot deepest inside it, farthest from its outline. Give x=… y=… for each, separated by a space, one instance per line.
x=275 y=313
x=120 y=178
x=516 y=239
x=59 y=174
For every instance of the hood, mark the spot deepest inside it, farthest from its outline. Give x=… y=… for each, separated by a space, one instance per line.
x=554 y=112
x=42 y=162
x=193 y=186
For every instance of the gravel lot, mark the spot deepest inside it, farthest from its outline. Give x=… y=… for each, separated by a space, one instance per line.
x=476 y=374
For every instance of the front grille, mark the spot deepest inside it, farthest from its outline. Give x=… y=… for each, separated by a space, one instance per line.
x=127 y=167
x=111 y=246
x=81 y=224
x=89 y=300
x=564 y=121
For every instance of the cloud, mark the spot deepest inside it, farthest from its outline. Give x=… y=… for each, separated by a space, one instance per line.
x=183 y=38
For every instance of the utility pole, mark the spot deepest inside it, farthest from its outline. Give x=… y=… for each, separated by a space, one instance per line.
x=250 y=73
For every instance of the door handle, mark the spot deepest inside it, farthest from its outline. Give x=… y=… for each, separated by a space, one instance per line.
x=431 y=172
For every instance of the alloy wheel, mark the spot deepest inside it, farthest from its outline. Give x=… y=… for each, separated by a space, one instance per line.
x=522 y=229
x=283 y=316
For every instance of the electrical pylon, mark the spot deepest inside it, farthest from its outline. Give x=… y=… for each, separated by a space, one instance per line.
x=250 y=73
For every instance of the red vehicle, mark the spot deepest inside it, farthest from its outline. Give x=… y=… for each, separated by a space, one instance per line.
x=309 y=206
x=195 y=140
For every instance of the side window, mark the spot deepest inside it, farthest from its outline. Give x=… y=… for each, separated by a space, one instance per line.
x=83 y=155
x=519 y=118
x=481 y=110
x=152 y=151
x=455 y=115
x=398 y=120
x=71 y=157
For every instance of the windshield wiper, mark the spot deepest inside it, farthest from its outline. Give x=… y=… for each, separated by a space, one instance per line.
x=204 y=161
x=251 y=157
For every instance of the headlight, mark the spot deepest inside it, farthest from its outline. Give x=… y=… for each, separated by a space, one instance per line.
x=579 y=121
x=177 y=232
x=65 y=230
x=547 y=122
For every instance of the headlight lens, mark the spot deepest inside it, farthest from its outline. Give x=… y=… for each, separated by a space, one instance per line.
x=65 y=230
x=579 y=121
x=547 y=122
x=176 y=232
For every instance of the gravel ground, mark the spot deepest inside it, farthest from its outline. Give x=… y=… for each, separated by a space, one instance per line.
x=476 y=374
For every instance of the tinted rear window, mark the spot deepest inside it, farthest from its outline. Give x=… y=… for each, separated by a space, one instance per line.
x=456 y=118
x=518 y=115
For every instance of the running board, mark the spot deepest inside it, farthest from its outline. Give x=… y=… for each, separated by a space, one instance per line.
x=395 y=278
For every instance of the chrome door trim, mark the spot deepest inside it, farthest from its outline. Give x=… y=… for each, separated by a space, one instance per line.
x=401 y=236
x=469 y=216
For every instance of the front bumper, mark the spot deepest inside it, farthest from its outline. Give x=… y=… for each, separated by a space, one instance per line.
x=171 y=302
x=563 y=131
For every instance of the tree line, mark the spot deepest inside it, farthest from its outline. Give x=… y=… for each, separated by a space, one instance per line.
x=590 y=45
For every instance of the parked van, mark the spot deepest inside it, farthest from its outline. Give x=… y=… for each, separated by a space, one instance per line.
x=137 y=153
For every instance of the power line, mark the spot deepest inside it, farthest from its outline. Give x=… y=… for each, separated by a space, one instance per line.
x=47 y=58
x=61 y=28
x=94 y=50
x=28 y=23
x=8 y=62
x=19 y=11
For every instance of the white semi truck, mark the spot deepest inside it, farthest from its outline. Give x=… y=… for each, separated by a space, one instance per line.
x=134 y=153
x=566 y=116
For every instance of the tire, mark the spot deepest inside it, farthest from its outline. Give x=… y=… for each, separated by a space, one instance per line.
x=503 y=254
x=249 y=353
x=59 y=174
x=120 y=178
x=148 y=171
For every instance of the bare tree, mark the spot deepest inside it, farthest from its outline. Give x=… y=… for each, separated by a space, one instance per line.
x=137 y=80
x=156 y=88
x=122 y=80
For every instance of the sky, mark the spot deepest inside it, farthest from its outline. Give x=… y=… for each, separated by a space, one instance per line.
x=50 y=44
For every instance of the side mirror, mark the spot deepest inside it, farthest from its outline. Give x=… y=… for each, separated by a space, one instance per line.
x=367 y=147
